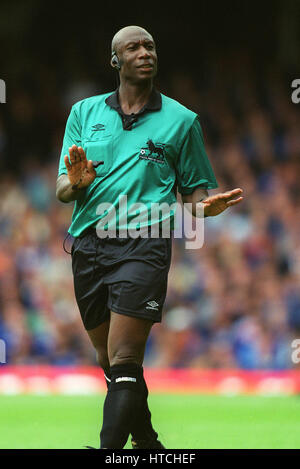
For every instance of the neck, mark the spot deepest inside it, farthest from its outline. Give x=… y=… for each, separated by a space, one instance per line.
x=133 y=97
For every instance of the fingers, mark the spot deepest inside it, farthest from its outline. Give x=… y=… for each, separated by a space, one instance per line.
x=75 y=155
x=90 y=167
x=234 y=202
x=237 y=190
x=67 y=162
x=226 y=196
x=233 y=193
x=82 y=154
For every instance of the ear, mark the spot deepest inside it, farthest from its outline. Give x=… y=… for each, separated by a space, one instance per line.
x=115 y=63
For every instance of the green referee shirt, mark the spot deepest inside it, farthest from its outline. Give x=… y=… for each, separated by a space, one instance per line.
x=147 y=156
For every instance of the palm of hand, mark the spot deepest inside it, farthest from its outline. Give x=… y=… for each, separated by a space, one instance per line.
x=214 y=207
x=216 y=204
x=80 y=171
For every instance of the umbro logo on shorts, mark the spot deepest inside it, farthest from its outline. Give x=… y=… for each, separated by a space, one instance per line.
x=97 y=127
x=152 y=305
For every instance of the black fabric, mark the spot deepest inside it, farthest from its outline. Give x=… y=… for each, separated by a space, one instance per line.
x=123 y=275
x=154 y=104
x=122 y=404
x=142 y=427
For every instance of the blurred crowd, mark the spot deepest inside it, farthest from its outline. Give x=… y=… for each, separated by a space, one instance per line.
x=234 y=303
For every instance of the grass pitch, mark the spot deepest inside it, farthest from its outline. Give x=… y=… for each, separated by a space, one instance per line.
x=183 y=421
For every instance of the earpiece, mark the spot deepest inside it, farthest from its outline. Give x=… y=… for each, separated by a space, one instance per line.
x=115 y=61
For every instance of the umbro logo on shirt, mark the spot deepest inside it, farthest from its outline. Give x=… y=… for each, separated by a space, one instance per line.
x=97 y=127
x=152 y=305
x=153 y=151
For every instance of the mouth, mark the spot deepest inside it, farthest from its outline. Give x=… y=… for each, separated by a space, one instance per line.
x=145 y=66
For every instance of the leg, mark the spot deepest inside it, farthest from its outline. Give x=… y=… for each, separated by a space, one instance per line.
x=127 y=339
x=143 y=434
x=99 y=337
x=124 y=401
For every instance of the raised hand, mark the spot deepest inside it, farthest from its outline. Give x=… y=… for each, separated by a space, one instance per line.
x=216 y=204
x=81 y=172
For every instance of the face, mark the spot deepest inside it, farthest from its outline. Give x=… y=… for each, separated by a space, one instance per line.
x=137 y=55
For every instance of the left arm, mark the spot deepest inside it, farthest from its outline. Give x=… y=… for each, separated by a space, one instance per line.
x=213 y=205
x=195 y=175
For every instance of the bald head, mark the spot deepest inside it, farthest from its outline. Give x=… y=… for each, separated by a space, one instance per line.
x=125 y=34
x=134 y=55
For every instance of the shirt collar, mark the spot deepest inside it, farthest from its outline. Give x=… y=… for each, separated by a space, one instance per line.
x=153 y=104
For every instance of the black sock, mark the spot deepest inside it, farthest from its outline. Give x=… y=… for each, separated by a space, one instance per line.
x=142 y=427
x=122 y=405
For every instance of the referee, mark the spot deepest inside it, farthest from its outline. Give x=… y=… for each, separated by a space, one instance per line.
x=142 y=144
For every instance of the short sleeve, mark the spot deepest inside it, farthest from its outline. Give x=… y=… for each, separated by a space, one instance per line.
x=72 y=137
x=193 y=168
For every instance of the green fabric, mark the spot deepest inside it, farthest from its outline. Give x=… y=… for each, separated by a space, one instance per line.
x=129 y=166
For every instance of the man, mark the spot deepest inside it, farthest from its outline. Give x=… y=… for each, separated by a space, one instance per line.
x=150 y=145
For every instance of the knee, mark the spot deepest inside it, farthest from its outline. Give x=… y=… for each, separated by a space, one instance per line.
x=102 y=358
x=126 y=355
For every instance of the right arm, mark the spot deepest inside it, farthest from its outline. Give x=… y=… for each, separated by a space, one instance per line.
x=64 y=191
x=75 y=172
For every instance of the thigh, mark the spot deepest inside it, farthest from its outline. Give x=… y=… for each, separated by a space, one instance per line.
x=99 y=336
x=90 y=290
x=127 y=339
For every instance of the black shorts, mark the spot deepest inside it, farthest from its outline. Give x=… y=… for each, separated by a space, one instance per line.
x=125 y=275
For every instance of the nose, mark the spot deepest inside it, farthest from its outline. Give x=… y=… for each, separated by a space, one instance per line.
x=143 y=52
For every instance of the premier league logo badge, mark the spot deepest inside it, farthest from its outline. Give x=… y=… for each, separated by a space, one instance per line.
x=153 y=151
